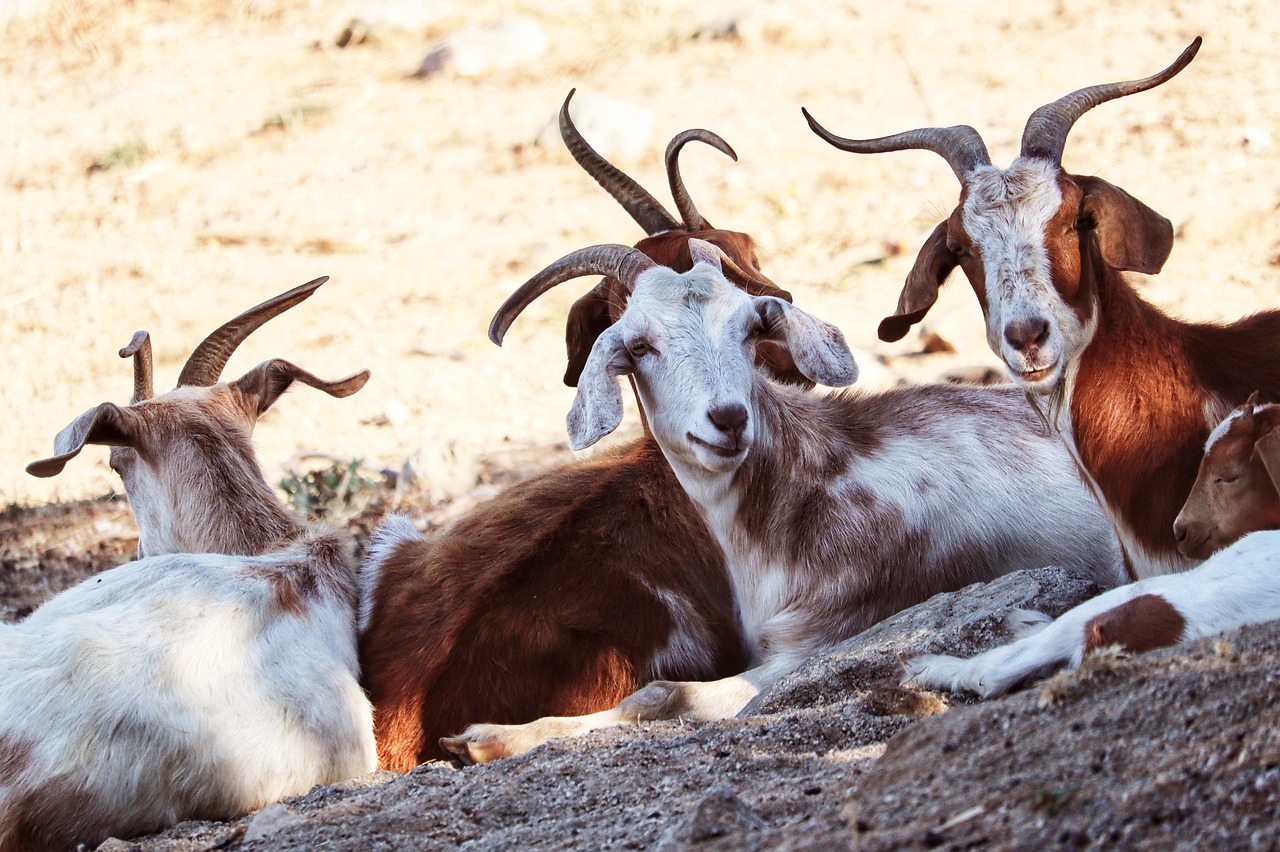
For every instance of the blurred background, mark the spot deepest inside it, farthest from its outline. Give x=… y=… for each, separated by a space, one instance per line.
x=166 y=165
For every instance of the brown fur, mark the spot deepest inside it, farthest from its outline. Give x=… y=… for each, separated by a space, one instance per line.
x=539 y=604
x=1139 y=625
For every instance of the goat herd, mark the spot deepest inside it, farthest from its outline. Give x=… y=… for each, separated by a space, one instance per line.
x=245 y=657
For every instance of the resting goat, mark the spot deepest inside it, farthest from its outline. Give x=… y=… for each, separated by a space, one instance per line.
x=1133 y=391
x=215 y=674
x=568 y=591
x=833 y=511
x=1235 y=495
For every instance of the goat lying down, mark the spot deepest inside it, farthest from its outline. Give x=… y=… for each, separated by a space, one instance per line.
x=574 y=588
x=833 y=511
x=217 y=672
x=1133 y=391
x=1235 y=494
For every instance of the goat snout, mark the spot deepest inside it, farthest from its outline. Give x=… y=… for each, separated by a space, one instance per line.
x=1027 y=335
x=730 y=418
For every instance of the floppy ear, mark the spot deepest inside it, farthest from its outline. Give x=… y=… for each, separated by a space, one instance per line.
x=1131 y=235
x=1267 y=449
x=108 y=424
x=818 y=348
x=934 y=263
x=265 y=383
x=597 y=407
x=588 y=318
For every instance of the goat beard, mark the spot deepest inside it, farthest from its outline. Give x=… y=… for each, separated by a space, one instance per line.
x=1048 y=406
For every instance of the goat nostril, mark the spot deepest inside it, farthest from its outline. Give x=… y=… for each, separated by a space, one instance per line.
x=1027 y=334
x=728 y=418
x=1179 y=532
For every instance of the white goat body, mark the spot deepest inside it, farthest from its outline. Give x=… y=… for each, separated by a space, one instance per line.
x=183 y=686
x=1236 y=587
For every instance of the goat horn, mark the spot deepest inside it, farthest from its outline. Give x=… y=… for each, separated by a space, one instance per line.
x=693 y=220
x=754 y=283
x=622 y=263
x=1046 y=131
x=204 y=367
x=139 y=349
x=960 y=146
x=643 y=207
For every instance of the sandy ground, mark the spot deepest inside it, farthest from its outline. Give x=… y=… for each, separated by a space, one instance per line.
x=427 y=200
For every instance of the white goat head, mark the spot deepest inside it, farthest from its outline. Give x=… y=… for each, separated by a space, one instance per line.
x=1029 y=238
x=186 y=456
x=1237 y=490
x=689 y=340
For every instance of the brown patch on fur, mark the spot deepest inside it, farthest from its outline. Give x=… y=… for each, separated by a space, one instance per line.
x=48 y=818
x=1139 y=625
x=541 y=603
x=320 y=566
x=15 y=757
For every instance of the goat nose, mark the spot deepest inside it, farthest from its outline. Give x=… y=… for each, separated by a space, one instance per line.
x=1027 y=333
x=731 y=417
x=1179 y=531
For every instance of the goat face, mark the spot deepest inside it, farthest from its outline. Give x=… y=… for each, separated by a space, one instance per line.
x=1237 y=490
x=690 y=341
x=1032 y=239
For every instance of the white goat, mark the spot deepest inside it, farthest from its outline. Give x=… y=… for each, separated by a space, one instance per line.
x=215 y=674
x=833 y=511
x=1235 y=494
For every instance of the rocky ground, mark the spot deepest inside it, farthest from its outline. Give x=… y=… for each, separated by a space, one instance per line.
x=168 y=164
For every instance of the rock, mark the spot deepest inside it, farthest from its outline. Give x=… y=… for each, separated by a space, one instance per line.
x=721 y=816
x=481 y=50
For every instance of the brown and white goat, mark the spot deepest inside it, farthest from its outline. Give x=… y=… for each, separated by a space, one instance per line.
x=570 y=590
x=833 y=511
x=217 y=672
x=1133 y=391
x=1235 y=499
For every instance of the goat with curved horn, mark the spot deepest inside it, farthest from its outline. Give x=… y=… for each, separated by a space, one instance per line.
x=693 y=220
x=204 y=367
x=960 y=146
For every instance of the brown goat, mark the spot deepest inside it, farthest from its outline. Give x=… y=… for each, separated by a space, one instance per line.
x=1133 y=391
x=570 y=590
x=1237 y=490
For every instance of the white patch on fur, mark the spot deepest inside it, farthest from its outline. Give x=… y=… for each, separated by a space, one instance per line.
x=390 y=534
x=689 y=643
x=1220 y=431
x=1005 y=215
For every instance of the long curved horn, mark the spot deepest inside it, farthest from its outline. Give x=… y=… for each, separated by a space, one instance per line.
x=613 y=261
x=139 y=349
x=693 y=220
x=1046 y=132
x=960 y=145
x=204 y=367
x=643 y=207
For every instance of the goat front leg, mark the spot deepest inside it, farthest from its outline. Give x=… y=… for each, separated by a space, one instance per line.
x=701 y=701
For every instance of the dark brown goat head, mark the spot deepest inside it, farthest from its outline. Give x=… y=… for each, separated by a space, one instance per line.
x=1032 y=239
x=667 y=243
x=1237 y=490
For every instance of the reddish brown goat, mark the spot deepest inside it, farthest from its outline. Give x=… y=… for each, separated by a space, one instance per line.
x=1133 y=391
x=571 y=590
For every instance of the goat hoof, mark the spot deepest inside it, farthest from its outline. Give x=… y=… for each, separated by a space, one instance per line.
x=470 y=749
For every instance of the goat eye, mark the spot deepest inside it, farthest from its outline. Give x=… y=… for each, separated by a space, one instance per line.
x=1225 y=480
x=638 y=348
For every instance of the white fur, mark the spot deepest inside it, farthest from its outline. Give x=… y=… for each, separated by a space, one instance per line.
x=1235 y=587
x=390 y=534
x=167 y=689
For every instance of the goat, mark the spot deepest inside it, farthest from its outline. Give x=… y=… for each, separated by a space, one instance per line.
x=833 y=511
x=573 y=589
x=1133 y=391
x=1234 y=497
x=217 y=672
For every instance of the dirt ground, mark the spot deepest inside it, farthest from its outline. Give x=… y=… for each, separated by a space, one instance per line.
x=246 y=153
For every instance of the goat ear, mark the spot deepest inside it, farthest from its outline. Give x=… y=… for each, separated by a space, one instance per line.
x=588 y=319
x=108 y=424
x=597 y=407
x=1131 y=236
x=818 y=348
x=265 y=383
x=701 y=251
x=934 y=263
x=1267 y=449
